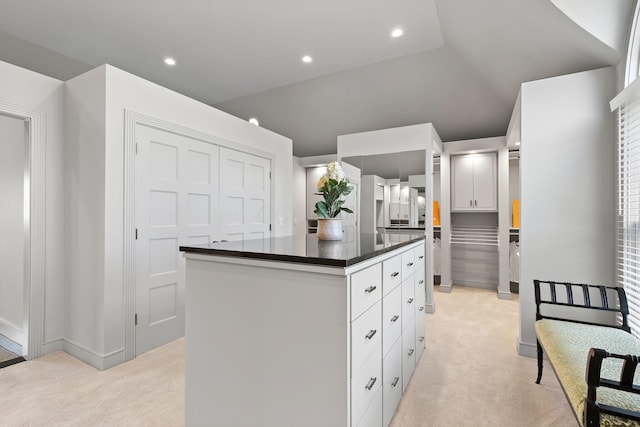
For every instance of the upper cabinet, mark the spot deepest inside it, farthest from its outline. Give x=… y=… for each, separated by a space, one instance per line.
x=474 y=182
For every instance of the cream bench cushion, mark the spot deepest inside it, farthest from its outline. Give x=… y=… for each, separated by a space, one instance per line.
x=567 y=345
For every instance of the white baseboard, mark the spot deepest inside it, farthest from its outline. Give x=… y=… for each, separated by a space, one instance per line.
x=504 y=295
x=430 y=308
x=13 y=332
x=53 y=346
x=94 y=359
x=527 y=349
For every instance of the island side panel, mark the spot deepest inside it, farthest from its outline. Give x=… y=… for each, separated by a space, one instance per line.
x=265 y=347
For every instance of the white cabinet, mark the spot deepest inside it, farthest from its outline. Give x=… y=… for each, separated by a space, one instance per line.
x=474 y=182
x=304 y=336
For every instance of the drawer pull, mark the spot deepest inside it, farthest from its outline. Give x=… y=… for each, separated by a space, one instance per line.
x=395 y=381
x=421 y=256
x=395 y=274
x=420 y=282
x=411 y=352
x=421 y=339
x=409 y=264
x=371 y=334
x=370 y=289
x=394 y=318
x=410 y=301
x=370 y=384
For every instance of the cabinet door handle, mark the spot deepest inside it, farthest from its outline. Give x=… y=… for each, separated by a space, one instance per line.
x=476 y=203
x=395 y=381
x=409 y=264
x=421 y=339
x=371 y=334
x=370 y=384
x=421 y=256
x=421 y=308
x=470 y=202
x=420 y=282
x=410 y=301
x=394 y=318
x=395 y=273
x=410 y=352
x=370 y=289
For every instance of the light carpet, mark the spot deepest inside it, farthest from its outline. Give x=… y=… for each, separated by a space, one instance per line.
x=469 y=375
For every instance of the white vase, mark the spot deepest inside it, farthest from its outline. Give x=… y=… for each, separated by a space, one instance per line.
x=329 y=229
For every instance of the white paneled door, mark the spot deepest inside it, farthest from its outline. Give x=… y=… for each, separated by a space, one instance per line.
x=245 y=195
x=177 y=188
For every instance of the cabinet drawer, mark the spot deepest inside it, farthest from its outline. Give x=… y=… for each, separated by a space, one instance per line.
x=419 y=305
x=408 y=264
x=391 y=273
x=408 y=301
x=366 y=289
x=366 y=334
x=418 y=277
x=366 y=382
x=391 y=382
x=373 y=416
x=420 y=336
x=419 y=255
x=391 y=319
x=408 y=353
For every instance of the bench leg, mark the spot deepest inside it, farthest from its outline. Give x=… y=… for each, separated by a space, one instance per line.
x=539 y=362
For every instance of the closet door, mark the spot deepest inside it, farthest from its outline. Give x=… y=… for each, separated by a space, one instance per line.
x=245 y=195
x=462 y=183
x=485 y=182
x=176 y=202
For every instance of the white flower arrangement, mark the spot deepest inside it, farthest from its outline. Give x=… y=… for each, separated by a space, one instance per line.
x=332 y=185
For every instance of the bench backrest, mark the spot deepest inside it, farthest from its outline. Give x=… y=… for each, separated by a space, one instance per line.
x=601 y=302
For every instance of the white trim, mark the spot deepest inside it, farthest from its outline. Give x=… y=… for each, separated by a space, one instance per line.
x=11 y=331
x=35 y=241
x=628 y=93
x=527 y=349
x=131 y=120
x=633 y=50
x=98 y=361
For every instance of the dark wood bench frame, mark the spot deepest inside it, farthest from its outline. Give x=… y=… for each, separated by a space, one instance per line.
x=595 y=356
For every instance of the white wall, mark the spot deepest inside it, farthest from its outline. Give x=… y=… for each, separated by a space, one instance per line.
x=299 y=197
x=44 y=94
x=567 y=176
x=12 y=168
x=96 y=104
x=607 y=20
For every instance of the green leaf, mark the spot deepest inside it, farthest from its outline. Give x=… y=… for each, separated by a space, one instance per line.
x=321 y=210
x=347 y=210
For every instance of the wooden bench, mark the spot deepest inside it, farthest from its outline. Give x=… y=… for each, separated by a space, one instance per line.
x=595 y=358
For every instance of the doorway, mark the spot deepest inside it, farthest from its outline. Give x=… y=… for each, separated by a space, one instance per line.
x=14 y=245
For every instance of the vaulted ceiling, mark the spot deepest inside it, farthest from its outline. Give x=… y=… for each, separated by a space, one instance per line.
x=458 y=65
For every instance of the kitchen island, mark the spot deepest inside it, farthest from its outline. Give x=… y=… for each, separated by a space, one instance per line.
x=292 y=331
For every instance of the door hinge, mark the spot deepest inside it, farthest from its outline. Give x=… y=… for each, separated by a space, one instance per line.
x=269 y=175
x=136 y=234
x=136 y=319
x=136 y=148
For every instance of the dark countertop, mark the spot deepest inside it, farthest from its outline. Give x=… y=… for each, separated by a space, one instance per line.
x=308 y=249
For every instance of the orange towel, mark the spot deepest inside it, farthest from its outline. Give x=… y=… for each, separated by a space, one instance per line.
x=436 y=213
x=515 y=220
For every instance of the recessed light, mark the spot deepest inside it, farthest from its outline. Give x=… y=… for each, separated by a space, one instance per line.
x=397 y=33
x=170 y=61
x=307 y=59
x=254 y=121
